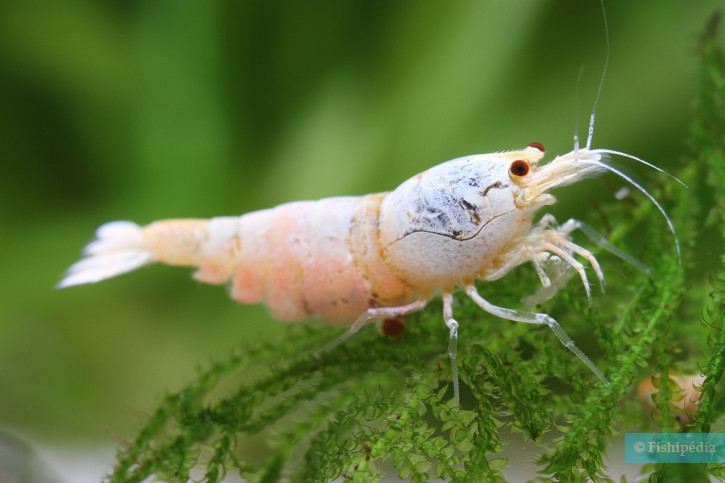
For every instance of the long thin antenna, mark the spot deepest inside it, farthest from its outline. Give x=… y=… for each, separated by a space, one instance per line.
x=648 y=195
x=593 y=116
x=576 y=112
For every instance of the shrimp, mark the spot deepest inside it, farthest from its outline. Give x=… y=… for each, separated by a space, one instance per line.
x=352 y=260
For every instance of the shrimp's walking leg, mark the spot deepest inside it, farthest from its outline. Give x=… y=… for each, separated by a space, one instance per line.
x=452 y=342
x=549 y=238
x=572 y=225
x=534 y=318
x=600 y=240
x=372 y=314
x=550 y=247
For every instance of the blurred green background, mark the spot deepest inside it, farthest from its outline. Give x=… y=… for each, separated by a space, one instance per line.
x=149 y=110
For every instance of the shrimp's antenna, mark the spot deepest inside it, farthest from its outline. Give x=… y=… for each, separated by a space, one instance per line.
x=625 y=155
x=593 y=116
x=648 y=195
x=576 y=112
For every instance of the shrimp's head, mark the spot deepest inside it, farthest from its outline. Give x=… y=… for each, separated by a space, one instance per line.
x=442 y=227
x=454 y=222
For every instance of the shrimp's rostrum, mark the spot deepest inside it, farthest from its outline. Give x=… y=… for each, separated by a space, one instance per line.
x=350 y=260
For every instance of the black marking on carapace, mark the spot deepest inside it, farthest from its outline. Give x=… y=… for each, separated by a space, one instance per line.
x=472 y=210
x=448 y=235
x=497 y=185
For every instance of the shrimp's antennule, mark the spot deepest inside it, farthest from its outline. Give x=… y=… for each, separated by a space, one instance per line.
x=593 y=115
x=118 y=248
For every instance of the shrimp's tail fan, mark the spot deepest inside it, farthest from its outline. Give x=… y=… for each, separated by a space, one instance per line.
x=119 y=247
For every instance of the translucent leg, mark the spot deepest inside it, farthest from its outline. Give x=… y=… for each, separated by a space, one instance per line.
x=372 y=314
x=557 y=271
x=534 y=318
x=584 y=253
x=537 y=261
x=572 y=225
x=574 y=264
x=452 y=343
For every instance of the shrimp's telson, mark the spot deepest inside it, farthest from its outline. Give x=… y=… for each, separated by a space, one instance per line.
x=354 y=259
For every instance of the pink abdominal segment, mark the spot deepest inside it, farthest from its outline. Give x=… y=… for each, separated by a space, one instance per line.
x=317 y=259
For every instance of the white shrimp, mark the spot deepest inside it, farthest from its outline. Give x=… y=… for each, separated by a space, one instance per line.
x=352 y=260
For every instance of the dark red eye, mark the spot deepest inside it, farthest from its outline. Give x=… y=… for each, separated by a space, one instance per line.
x=519 y=168
x=538 y=146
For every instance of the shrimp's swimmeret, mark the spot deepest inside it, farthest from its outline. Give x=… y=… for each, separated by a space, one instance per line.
x=350 y=260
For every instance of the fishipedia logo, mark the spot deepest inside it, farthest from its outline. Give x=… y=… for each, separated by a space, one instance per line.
x=674 y=448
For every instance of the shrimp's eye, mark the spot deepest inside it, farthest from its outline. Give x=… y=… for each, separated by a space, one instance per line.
x=538 y=146
x=519 y=168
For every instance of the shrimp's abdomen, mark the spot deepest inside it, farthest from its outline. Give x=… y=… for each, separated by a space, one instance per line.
x=312 y=259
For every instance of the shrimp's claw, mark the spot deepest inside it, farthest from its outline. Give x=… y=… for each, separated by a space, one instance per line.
x=119 y=247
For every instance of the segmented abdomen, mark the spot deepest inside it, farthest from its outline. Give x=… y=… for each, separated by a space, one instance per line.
x=307 y=259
